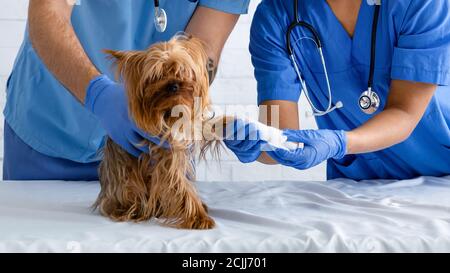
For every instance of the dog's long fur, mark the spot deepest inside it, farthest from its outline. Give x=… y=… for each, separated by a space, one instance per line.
x=159 y=185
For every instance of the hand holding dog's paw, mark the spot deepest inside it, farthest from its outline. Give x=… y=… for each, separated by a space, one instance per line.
x=244 y=139
x=319 y=145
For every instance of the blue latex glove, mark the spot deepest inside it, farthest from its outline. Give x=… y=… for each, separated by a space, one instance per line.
x=319 y=145
x=244 y=140
x=107 y=100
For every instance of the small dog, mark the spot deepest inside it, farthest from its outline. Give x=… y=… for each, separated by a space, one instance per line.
x=159 y=185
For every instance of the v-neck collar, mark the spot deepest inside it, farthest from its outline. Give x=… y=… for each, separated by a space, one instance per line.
x=338 y=38
x=338 y=28
x=339 y=47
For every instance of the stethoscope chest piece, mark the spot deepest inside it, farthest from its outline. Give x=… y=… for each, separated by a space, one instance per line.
x=369 y=102
x=160 y=19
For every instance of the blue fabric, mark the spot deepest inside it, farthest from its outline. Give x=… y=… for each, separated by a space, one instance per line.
x=413 y=43
x=45 y=115
x=229 y=6
x=21 y=162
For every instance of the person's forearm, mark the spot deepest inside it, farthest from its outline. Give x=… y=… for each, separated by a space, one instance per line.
x=390 y=127
x=213 y=28
x=266 y=159
x=56 y=43
x=404 y=109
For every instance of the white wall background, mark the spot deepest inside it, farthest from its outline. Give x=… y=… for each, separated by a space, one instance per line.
x=234 y=85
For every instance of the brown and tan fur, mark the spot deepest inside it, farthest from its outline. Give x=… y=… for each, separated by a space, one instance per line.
x=159 y=185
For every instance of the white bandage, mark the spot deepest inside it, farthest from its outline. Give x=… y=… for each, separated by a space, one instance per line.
x=275 y=138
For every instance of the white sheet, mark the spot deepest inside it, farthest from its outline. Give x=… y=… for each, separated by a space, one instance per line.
x=343 y=216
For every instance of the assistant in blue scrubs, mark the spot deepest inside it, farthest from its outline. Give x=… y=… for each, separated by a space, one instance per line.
x=413 y=44
x=48 y=133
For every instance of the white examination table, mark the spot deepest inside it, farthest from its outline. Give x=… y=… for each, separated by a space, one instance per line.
x=343 y=215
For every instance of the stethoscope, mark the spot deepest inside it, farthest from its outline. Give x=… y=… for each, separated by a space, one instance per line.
x=369 y=101
x=160 y=17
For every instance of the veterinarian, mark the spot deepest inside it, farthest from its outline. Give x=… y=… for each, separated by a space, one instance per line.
x=382 y=101
x=61 y=97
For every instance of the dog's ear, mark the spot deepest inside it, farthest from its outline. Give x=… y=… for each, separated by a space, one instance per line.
x=115 y=54
x=121 y=57
x=127 y=63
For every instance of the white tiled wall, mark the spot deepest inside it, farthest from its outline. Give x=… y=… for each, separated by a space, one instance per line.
x=234 y=85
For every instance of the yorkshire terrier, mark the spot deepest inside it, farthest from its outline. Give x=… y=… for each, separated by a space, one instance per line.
x=159 y=185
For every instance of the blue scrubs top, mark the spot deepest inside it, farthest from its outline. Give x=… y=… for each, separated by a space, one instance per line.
x=45 y=115
x=413 y=44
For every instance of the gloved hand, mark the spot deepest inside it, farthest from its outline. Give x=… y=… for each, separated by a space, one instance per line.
x=319 y=145
x=107 y=100
x=243 y=138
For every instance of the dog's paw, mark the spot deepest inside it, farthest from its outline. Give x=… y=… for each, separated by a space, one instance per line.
x=205 y=207
x=204 y=223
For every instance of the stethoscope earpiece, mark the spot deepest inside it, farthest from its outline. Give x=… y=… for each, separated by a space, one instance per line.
x=313 y=113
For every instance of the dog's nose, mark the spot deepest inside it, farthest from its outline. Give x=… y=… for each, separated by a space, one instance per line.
x=173 y=88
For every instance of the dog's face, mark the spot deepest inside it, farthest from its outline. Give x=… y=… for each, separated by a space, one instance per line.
x=163 y=79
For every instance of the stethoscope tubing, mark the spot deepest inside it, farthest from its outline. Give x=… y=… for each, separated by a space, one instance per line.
x=318 y=42
x=316 y=39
